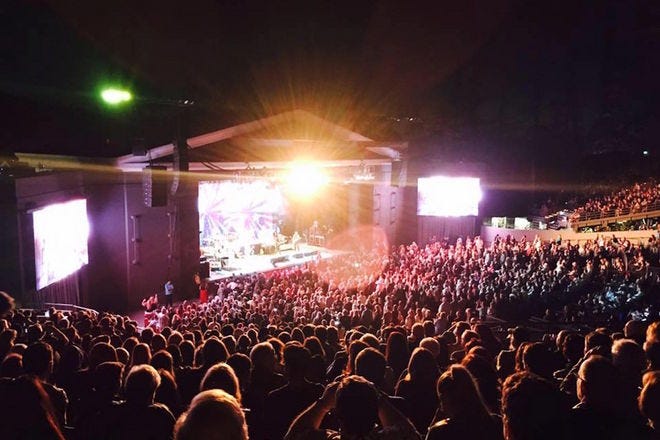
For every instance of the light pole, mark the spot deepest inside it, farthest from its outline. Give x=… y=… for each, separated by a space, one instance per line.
x=116 y=96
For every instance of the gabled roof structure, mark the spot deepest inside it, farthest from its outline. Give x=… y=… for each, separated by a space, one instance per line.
x=281 y=138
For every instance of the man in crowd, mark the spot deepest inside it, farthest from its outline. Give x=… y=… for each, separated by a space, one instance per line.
x=285 y=403
x=359 y=407
x=169 y=293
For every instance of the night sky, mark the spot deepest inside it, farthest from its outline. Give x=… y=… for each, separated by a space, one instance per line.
x=504 y=82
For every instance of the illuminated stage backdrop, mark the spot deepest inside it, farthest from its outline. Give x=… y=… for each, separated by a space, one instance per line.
x=233 y=211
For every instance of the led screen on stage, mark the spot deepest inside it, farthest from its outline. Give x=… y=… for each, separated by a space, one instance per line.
x=60 y=240
x=235 y=211
x=443 y=196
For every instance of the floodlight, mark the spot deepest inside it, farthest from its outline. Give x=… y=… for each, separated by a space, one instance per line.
x=305 y=178
x=114 y=96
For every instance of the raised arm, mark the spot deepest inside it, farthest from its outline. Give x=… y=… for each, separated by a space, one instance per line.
x=311 y=418
x=390 y=417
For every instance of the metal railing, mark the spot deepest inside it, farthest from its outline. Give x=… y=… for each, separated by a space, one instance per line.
x=596 y=215
x=58 y=306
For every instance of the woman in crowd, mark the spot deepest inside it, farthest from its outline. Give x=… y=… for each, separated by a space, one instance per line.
x=418 y=388
x=464 y=410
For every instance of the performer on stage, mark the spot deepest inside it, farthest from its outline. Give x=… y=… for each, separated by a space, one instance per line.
x=295 y=240
x=203 y=293
x=169 y=293
x=313 y=234
x=314 y=229
x=201 y=288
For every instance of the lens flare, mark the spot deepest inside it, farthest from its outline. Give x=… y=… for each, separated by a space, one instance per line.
x=305 y=179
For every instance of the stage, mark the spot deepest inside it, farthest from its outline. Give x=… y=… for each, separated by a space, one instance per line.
x=265 y=263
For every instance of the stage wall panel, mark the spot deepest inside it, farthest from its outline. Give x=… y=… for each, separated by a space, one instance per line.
x=105 y=285
x=430 y=228
x=387 y=210
x=134 y=248
x=148 y=246
x=10 y=272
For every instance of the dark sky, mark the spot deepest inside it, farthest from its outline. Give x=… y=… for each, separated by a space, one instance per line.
x=479 y=77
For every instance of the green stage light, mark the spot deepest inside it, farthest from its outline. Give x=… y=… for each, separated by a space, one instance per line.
x=115 y=96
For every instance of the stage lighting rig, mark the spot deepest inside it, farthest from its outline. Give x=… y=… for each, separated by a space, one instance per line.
x=364 y=173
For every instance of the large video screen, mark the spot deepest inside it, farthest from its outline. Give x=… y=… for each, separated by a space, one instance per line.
x=443 y=196
x=60 y=240
x=244 y=212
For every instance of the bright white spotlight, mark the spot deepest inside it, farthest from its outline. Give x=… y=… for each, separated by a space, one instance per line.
x=305 y=179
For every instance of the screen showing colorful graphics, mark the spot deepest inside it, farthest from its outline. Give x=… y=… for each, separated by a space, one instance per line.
x=239 y=212
x=60 y=240
x=443 y=196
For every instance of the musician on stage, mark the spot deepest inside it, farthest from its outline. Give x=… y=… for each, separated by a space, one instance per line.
x=295 y=240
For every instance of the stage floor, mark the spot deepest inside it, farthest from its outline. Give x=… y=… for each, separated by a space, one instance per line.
x=266 y=263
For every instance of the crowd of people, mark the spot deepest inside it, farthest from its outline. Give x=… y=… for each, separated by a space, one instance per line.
x=405 y=344
x=644 y=224
x=629 y=199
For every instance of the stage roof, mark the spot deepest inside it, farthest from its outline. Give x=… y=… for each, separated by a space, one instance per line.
x=284 y=137
x=270 y=142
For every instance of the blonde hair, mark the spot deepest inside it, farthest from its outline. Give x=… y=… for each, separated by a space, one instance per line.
x=213 y=415
x=222 y=377
x=649 y=398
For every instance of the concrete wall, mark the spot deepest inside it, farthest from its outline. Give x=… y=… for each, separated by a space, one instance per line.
x=10 y=280
x=377 y=207
x=135 y=248
x=488 y=233
x=436 y=228
x=105 y=285
x=387 y=210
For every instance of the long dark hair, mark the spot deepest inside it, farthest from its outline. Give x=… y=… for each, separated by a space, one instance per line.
x=485 y=377
x=457 y=386
x=396 y=352
x=422 y=366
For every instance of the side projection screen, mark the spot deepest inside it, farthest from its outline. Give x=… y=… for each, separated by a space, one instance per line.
x=442 y=196
x=60 y=240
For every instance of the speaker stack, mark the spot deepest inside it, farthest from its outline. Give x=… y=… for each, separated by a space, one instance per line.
x=154 y=186
x=205 y=269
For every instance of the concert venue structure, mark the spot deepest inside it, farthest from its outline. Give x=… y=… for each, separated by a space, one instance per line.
x=269 y=193
x=266 y=194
